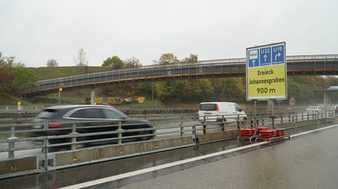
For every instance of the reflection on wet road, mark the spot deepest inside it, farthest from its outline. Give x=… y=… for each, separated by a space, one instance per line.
x=310 y=161
x=99 y=170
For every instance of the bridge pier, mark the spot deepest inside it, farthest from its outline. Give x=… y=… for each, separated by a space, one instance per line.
x=92 y=97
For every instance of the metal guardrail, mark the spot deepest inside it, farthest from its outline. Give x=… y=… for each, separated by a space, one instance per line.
x=204 y=67
x=73 y=137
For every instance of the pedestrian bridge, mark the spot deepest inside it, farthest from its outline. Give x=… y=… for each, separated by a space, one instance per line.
x=296 y=65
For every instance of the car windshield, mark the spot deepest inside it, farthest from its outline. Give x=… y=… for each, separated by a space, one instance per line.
x=47 y=113
x=208 y=107
x=111 y=114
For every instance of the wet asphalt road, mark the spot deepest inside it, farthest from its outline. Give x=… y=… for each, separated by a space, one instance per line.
x=309 y=161
x=91 y=172
x=80 y=174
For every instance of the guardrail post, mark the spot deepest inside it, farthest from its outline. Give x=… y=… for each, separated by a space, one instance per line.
x=223 y=123
x=238 y=126
x=45 y=146
x=181 y=127
x=273 y=121
x=74 y=133
x=292 y=118
x=289 y=117
x=281 y=119
x=302 y=116
x=204 y=125
x=45 y=150
x=194 y=134
x=296 y=118
x=11 y=143
x=120 y=133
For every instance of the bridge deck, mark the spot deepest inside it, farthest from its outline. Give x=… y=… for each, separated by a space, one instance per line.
x=310 y=64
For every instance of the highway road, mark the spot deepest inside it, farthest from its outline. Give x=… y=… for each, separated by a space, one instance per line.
x=309 y=161
x=165 y=128
x=91 y=172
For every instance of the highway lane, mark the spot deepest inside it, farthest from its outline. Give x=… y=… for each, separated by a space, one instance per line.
x=100 y=170
x=65 y=177
x=306 y=162
x=165 y=128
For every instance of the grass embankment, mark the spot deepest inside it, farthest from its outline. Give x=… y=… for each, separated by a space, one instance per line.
x=50 y=73
x=146 y=105
x=6 y=99
x=53 y=99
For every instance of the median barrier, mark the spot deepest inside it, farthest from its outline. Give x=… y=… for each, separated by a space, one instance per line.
x=104 y=153
x=218 y=136
x=18 y=166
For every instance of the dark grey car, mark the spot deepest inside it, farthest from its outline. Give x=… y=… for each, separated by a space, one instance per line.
x=59 y=120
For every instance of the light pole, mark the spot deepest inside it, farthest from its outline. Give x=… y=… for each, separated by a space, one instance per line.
x=59 y=96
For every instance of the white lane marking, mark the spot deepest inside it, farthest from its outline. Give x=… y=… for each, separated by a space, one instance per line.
x=177 y=163
x=312 y=131
x=160 y=167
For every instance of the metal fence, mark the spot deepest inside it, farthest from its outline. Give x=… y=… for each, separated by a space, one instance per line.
x=69 y=136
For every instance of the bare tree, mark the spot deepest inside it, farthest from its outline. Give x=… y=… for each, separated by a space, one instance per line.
x=132 y=62
x=82 y=59
x=52 y=63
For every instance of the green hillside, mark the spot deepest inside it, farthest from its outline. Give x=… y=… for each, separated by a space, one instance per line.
x=54 y=72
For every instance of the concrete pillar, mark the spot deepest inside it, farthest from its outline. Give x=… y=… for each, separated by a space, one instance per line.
x=92 y=97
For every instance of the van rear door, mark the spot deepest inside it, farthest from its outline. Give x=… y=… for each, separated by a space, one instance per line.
x=209 y=110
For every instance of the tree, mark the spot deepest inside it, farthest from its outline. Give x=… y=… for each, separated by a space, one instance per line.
x=52 y=63
x=14 y=77
x=24 y=79
x=168 y=58
x=6 y=75
x=82 y=59
x=132 y=63
x=191 y=59
x=115 y=62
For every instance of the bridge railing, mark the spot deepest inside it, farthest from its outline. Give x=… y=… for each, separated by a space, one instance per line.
x=154 y=71
x=179 y=65
x=313 y=57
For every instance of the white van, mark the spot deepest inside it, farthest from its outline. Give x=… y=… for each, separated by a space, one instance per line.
x=216 y=111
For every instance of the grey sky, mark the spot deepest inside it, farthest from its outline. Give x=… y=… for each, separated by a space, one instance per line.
x=37 y=30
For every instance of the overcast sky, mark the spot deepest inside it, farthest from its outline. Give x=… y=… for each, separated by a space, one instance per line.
x=37 y=30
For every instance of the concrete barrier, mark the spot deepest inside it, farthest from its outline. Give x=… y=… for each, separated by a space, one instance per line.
x=90 y=155
x=18 y=166
x=219 y=136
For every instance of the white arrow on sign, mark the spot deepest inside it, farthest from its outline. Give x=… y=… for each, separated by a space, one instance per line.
x=265 y=57
x=277 y=55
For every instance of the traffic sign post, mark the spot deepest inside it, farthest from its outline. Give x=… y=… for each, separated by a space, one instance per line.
x=266 y=72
